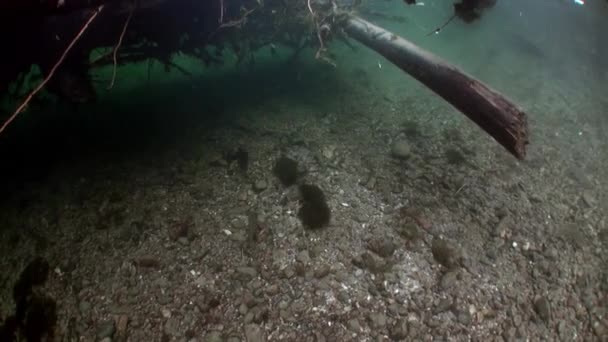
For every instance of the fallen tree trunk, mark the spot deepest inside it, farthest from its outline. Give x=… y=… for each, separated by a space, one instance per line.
x=494 y=113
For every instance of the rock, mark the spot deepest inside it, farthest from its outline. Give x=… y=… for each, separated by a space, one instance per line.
x=449 y=279
x=147 y=261
x=398 y=331
x=253 y=333
x=409 y=231
x=377 y=320
x=600 y=329
x=260 y=185
x=373 y=262
x=444 y=305
x=322 y=271
x=445 y=253
x=171 y=327
x=382 y=246
x=289 y=272
x=84 y=307
x=105 y=329
x=401 y=149
x=122 y=322
x=328 y=151
x=588 y=198
x=303 y=257
x=214 y=336
x=463 y=316
x=247 y=273
x=106 y=339
x=543 y=308
x=354 y=325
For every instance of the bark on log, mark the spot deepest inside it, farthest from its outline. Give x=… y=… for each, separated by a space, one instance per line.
x=493 y=112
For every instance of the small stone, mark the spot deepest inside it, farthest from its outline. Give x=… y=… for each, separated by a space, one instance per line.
x=543 y=308
x=383 y=247
x=444 y=253
x=316 y=251
x=328 y=151
x=214 y=336
x=147 y=261
x=166 y=313
x=377 y=320
x=322 y=271
x=303 y=257
x=401 y=149
x=84 y=307
x=106 y=339
x=449 y=279
x=398 y=331
x=443 y=306
x=171 y=327
x=260 y=185
x=373 y=262
x=272 y=290
x=243 y=309
x=588 y=198
x=247 y=272
x=463 y=317
x=354 y=325
x=409 y=231
x=289 y=272
x=600 y=329
x=105 y=329
x=122 y=322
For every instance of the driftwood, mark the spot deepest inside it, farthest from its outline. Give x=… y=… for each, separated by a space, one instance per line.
x=493 y=112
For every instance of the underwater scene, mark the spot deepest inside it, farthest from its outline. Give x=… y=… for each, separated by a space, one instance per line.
x=303 y=170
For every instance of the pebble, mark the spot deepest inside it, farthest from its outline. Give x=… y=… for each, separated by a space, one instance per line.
x=214 y=336
x=377 y=320
x=373 y=262
x=253 y=333
x=247 y=272
x=443 y=306
x=401 y=149
x=84 y=307
x=322 y=271
x=444 y=253
x=105 y=329
x=122 y=322
x=260 y=185
x=383 y=247
x=409 y=231
x=273 y=290
x=398 y=331
x=172 y=327
x=449 y=279
x=600 y=329
x=543 y=308
x=354 y=325
x=303 y=257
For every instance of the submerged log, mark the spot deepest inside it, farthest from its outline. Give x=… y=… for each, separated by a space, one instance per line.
x=493 y=112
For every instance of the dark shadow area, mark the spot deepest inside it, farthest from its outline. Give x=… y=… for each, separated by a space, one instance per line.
x=151 y=118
